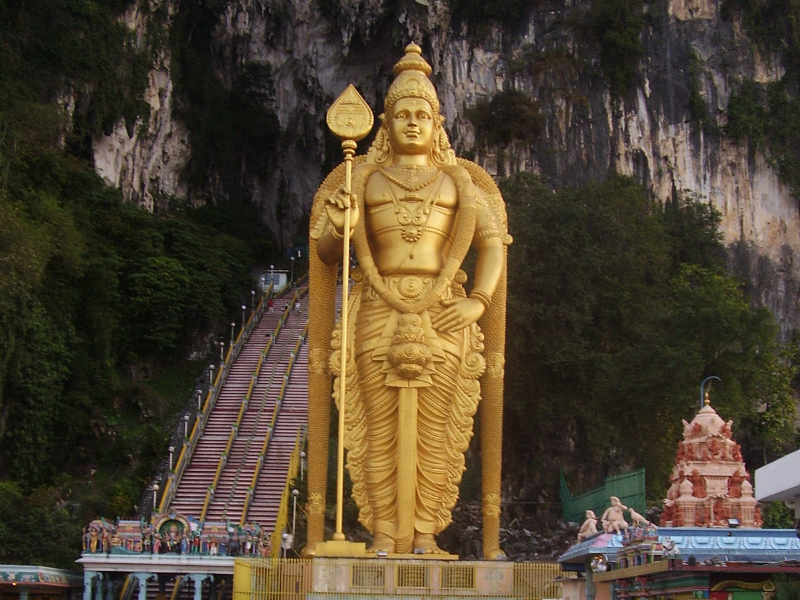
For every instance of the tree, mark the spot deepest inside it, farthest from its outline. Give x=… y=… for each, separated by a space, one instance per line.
x=618 y=307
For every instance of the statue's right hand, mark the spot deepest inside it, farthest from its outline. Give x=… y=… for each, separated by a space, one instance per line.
x=336 y=205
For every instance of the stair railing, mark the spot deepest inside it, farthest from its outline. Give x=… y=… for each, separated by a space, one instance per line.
x=190 y=443
x=127 y=588
x=223 y=458
x=283 y=511
x=250 y=438
x=271 y=427
x=176 y=586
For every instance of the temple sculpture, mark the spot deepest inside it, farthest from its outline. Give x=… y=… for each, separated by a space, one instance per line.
x=613 y=518
x=589 y=526
x=709 y=485
x=422 y=353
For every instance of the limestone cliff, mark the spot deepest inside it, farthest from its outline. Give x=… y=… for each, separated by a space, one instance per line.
x=293 y=57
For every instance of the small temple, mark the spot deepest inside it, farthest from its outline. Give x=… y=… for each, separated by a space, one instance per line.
x=709 y=542
x=709 y=485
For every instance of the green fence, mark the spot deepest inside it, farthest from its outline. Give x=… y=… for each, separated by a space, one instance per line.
x=628 y=487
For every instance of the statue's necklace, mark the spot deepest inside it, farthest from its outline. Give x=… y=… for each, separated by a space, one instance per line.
x=413 y=222
x=410 y=181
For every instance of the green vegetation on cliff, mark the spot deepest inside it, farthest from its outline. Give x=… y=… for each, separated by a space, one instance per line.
x=618 y=309
x=616 y=26
x=100 y=301
x=230 y=124
x=768 y=115
x=510 y=115
x=51 y=48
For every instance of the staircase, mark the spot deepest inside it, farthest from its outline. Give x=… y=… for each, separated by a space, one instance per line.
x=177 y=587
x=260 y=433
x=292 y=417
x=234 y=468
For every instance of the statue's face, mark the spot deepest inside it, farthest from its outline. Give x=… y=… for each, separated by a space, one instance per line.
x=411 y=126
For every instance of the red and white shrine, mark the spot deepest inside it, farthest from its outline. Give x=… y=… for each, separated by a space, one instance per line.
x=710 y=486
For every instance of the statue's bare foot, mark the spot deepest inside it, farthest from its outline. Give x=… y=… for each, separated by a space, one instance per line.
x=382 y=543
x=424 y=543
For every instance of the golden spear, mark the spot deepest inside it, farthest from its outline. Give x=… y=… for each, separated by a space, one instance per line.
x=350 y=119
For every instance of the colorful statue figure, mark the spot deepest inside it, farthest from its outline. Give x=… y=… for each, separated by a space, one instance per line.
x=173 y=539
x=698 y=484
x=234 y=547
x=614 y=517
x=147 y=539
x=735 y=484
x=95 y=543
x=422 y=352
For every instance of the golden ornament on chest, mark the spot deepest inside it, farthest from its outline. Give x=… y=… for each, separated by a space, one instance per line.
x=412 y=214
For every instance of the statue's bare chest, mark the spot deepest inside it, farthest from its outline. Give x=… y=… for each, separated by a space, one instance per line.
x=409 y=218
x=418 y=202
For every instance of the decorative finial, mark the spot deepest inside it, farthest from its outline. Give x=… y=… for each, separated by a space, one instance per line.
x=411 y=80
x=708 y=399
x=704 y=398
x=413 y=60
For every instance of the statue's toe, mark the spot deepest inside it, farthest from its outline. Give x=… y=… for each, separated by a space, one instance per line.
x=381 y=543
x=424 y=543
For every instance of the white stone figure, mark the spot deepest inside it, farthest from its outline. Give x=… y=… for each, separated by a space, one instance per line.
x=638 y=520
x=589 y=527
x=614 y=517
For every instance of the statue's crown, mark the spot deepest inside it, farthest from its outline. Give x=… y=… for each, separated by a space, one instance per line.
x=411 y=80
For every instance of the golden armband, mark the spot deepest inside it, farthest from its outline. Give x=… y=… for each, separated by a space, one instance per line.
x=482 y=296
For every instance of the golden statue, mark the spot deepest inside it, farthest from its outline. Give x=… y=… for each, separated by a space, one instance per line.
x=421 y=352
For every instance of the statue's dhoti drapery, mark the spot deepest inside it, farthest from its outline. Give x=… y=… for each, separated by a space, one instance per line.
x=411 y=395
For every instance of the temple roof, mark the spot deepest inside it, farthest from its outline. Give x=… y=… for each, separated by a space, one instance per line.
x=726 y=544
x=35 y=576
x=709 y=419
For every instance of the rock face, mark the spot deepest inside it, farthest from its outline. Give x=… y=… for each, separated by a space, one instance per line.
x=313 y=49
x=147 y=163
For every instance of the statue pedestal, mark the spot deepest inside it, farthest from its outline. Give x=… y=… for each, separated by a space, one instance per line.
x=341 y=548
x=410 y=577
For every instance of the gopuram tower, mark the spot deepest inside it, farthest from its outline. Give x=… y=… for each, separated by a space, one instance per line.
x=710 y=485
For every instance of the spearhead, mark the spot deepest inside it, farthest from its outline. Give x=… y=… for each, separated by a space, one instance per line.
x=350 y=117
